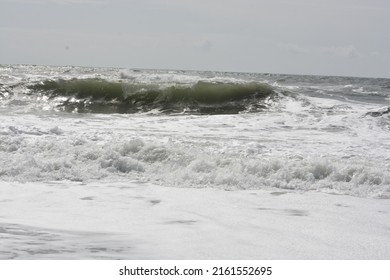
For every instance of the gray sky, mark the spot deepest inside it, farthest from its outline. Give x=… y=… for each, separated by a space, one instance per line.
x=329 y=37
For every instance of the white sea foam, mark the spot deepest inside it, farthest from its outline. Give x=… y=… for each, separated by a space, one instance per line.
x=36 y=154
x=130 y=220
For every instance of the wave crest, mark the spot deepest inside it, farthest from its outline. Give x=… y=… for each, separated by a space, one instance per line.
x=102 y=96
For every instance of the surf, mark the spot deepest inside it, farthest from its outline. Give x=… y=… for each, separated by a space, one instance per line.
x=95 y=95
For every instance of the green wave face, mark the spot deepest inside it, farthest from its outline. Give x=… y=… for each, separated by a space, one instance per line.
x=101 y=96
x=86 y=88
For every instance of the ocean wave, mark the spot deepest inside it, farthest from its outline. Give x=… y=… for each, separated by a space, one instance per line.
x=379 y=113
x=51 y=158
x=316 y=133
x=102 y=96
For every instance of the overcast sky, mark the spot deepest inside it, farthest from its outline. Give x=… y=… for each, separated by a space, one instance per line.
x=325 y=37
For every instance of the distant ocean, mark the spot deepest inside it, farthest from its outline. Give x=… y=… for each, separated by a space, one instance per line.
x=195 y=129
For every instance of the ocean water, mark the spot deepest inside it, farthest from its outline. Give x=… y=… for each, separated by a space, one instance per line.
x=105 y=163
x=193 y=129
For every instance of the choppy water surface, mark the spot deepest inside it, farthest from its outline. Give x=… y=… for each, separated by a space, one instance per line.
x=195 y=129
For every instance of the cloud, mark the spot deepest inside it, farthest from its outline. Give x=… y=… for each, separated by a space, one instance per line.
x=348 y=51
x=341 y=51
x=293 y=48
x=204 y=45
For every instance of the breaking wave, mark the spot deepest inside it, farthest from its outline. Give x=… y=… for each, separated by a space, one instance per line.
x=321 y=133
x=176 y=165
x=102 y=96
